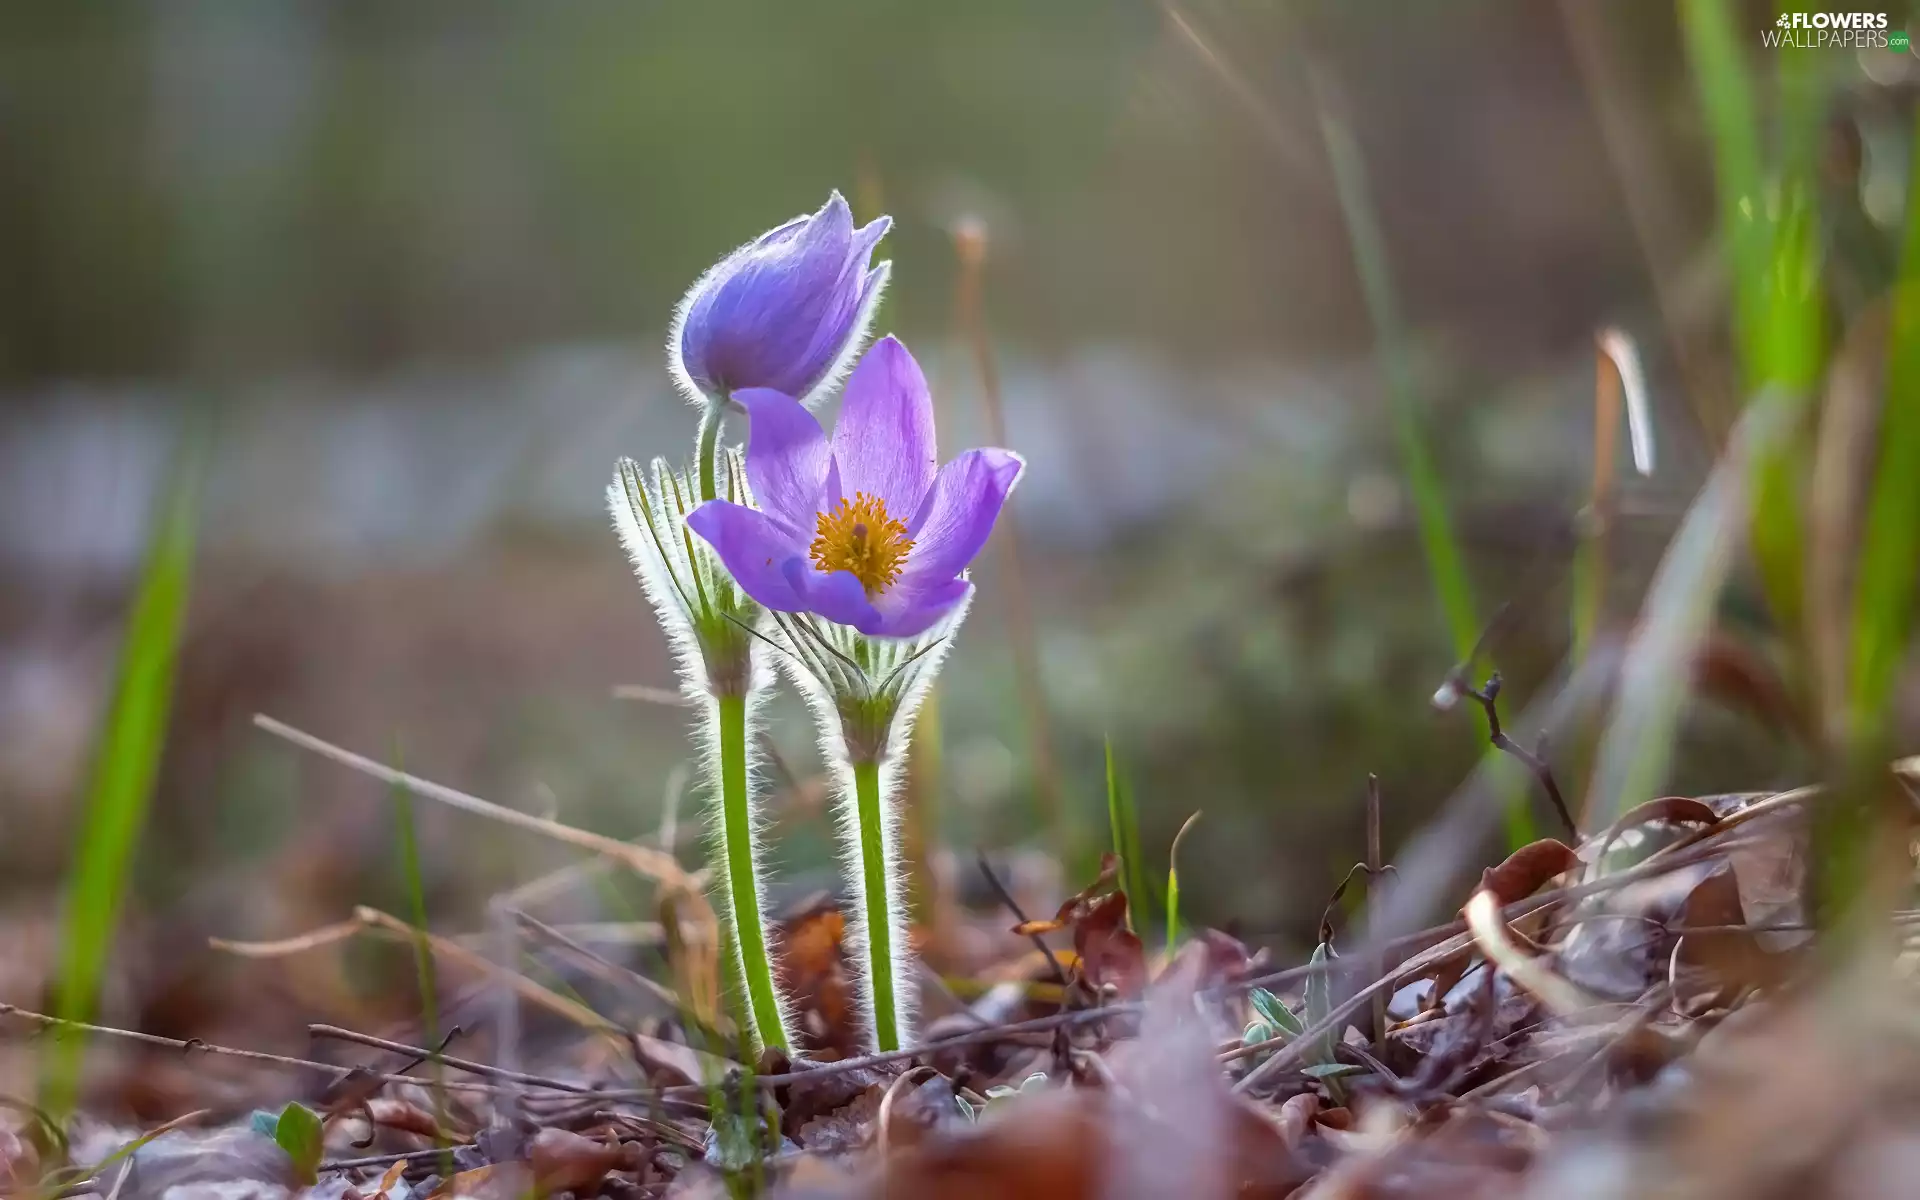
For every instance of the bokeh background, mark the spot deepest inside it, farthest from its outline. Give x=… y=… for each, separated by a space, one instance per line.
x=417 y=262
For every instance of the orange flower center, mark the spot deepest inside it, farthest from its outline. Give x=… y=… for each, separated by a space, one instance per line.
x=858 y=536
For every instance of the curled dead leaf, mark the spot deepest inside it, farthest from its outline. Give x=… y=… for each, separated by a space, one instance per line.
x=1296 y=1118
x=1527 y=870
x=391 y=1180
x=390 y=1113
x=1675 y=810
x=1107 y=951
x=565 y=1162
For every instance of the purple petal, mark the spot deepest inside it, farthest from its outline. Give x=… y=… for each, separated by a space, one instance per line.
x=876 y=279
x=837 y=596
x=754 y=549
x=766 y=315
x=779 y=235
x=787 y=457
x=868 y=236
x=884 y=440
x=959 y=512
x=910 y=609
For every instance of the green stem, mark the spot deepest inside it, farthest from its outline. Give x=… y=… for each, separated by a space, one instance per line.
x=743 y=894
x=710 y=422
x=873 y=870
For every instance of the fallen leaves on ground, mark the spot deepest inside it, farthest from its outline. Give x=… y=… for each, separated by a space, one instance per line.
x=1630 y=1015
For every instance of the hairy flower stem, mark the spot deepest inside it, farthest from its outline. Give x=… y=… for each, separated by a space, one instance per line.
x=743 y=898
x=873 y=868
x=746 y=935
x=711 y=420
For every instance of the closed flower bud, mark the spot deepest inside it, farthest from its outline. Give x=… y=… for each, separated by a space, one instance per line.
x=787 y=311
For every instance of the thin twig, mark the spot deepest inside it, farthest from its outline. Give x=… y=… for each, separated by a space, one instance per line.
x=977 y=1037
x=334 y=1070
x=387 y=1160
x=373 y=920
x=486 y=1070
x=599 y=964
x=1487 y=698
x=1013 y=906
x=644 y=859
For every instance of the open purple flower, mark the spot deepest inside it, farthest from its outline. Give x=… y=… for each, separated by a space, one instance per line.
x=862 y=530
x=786 y=311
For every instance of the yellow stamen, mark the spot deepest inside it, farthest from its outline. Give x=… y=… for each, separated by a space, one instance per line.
x=859 y=536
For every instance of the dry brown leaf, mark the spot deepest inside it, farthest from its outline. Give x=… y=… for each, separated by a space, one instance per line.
x=1087 y=1144
x=390 y=1113
x=1107 y=950
x=1296 y=1118
x=675 y=1063
x=567 y=1162
x=812 y=966
x=1527 y=870
x=1674 y=810
x=498 y=1181
x=846 y=1128
x=807 y=1098
x=1108 y=876
x=1110 y=953
x=1621 y=941
x=391 y=1179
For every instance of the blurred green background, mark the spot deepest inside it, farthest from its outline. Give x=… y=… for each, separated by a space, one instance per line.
x=418 y=260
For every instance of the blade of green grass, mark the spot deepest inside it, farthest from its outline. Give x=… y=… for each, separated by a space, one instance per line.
x=1890 y=546
x=1445 y=562
x=1173 y=884
x=1849 y=828
x=1726 y=98
x=422 y=950
x=1437 y=538
x=126 y=763
x=1770 y=240
x=1125 y=823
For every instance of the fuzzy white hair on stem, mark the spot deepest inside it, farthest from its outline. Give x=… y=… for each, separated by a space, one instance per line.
x=866 y=694
x=710 y=623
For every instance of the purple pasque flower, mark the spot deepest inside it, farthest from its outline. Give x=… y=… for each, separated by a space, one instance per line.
x=866 y=529
x=786 y=311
